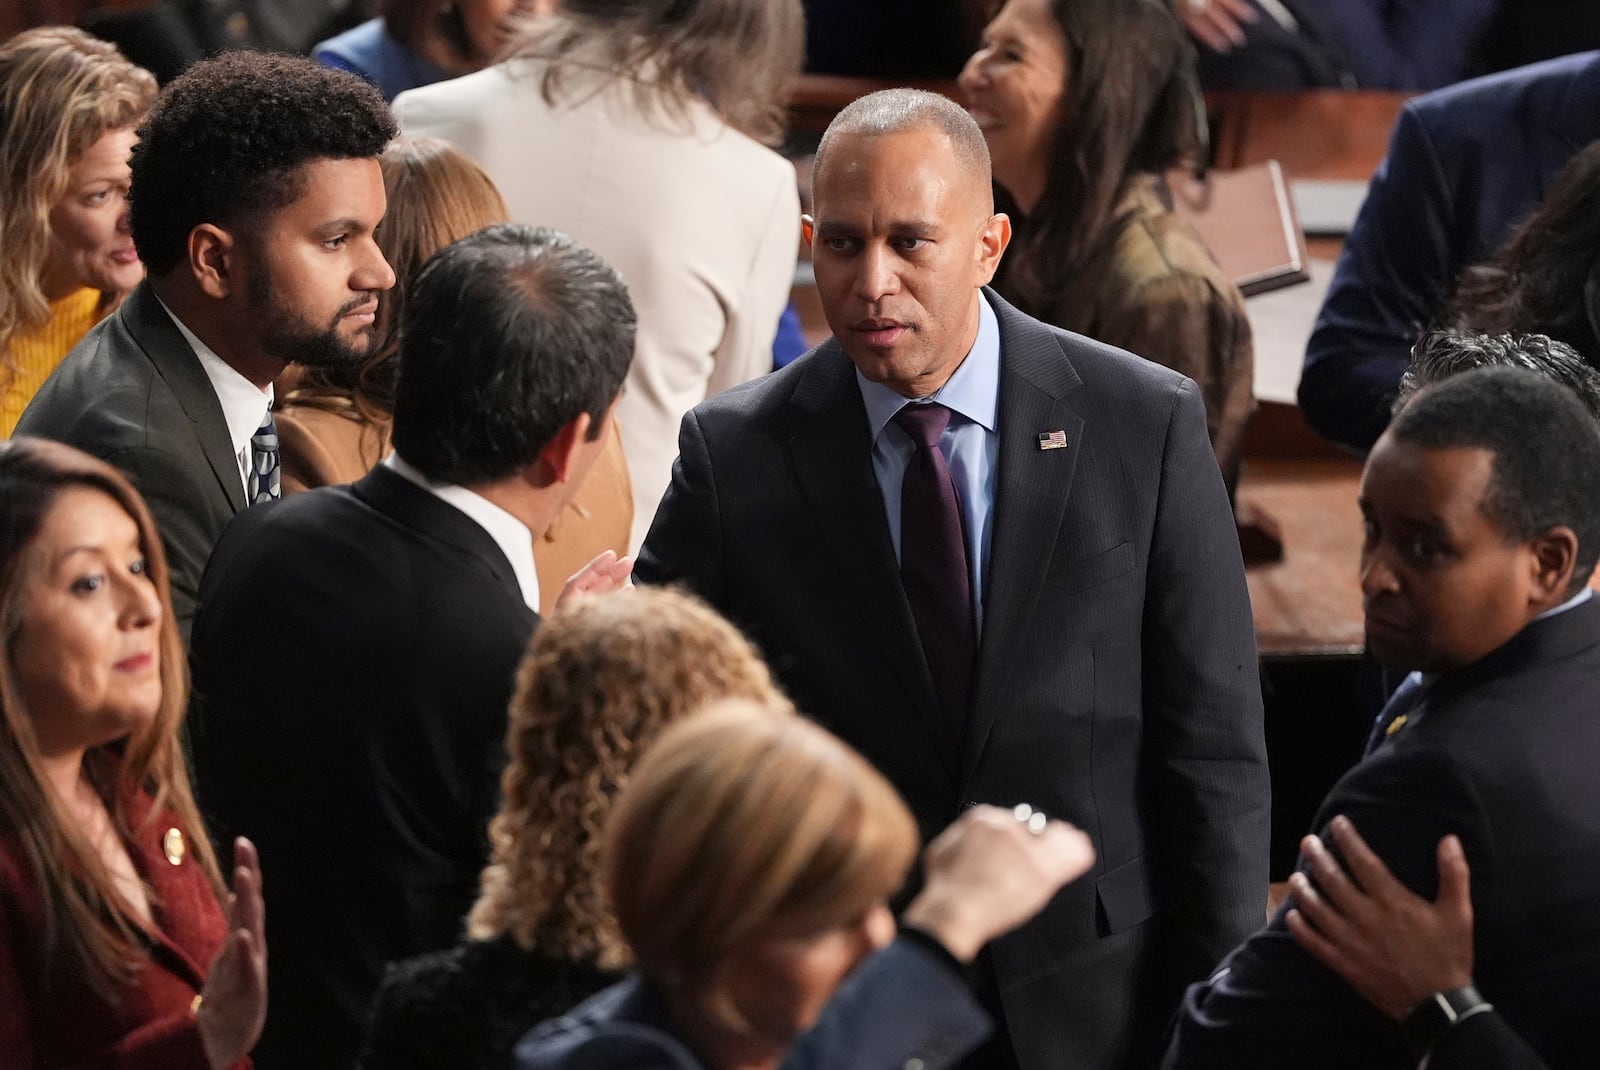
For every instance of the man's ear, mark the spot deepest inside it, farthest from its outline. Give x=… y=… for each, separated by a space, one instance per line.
x=1555 y=558
x=556 y=460
x=808 y=230
x=214 y=260
x=992 y=242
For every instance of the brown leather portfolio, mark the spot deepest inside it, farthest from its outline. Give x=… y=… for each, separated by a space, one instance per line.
x=1248 y=221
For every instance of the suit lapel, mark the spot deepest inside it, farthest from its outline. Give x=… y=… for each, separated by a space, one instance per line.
x=832 y=455
x=1030 y=499
x=175 y=361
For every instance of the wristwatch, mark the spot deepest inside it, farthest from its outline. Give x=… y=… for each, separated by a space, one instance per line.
x=1441 y=1012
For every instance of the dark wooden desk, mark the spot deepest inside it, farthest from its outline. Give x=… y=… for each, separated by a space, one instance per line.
x=1309 y=603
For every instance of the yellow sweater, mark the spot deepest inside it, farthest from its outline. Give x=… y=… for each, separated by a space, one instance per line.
x=36 y=355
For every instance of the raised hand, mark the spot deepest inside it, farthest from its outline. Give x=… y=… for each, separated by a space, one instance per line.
x=1393 y=947
x=233 y=1004
x=992 y=870
x=604 y=574
x=1217 y=24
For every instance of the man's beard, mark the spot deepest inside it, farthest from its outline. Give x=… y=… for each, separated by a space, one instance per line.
x=292 y=339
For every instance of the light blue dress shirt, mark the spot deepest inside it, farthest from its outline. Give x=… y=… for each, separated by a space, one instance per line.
x=971 y=444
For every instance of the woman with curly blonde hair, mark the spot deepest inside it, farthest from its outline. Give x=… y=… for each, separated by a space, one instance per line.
x=68 y=106
x=601 y=680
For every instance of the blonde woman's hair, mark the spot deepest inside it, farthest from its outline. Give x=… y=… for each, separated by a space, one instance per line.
x=61 y=90
x=600 y=681
x=739 y=826
x=90 y=930
x=740 y=56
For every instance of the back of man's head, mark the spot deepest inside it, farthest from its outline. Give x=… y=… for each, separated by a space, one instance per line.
x=1546 y=448
x=225 y=142
x=508 y=336
x=1439 y=355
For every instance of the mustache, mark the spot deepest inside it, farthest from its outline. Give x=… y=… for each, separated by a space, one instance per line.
x=358 y=304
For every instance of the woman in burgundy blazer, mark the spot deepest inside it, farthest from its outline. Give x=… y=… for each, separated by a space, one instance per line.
x=114 y=947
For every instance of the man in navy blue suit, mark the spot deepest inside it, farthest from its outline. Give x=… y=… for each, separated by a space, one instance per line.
x=1038 y=598
x=1482 y=514
x=1465 y=164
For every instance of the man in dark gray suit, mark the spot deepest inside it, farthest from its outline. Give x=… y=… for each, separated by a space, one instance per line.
x=1026 y=590
x=255 y=192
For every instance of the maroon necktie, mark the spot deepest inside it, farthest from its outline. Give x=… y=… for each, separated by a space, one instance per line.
x=933 y=563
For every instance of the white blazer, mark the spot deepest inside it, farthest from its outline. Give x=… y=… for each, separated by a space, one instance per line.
x=701 y=222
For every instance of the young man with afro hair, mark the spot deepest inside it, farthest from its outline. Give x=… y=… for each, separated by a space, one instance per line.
x=256 y=190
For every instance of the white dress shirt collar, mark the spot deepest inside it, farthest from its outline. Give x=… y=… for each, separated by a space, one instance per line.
x=1574 y=602
x=510 y=534
x=244 y=405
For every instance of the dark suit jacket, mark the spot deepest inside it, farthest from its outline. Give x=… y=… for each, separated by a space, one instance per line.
x=1116 y=686
x=1465 y=165
x=1503 y=756
x=134 y=394
x=353 y=656
x=905 y=1007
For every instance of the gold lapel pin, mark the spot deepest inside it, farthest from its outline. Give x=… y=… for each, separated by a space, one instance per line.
x=173 y=847
x=1052 y=440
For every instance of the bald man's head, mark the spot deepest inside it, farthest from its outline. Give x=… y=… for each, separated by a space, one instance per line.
x=904 y=236
x=893 y=111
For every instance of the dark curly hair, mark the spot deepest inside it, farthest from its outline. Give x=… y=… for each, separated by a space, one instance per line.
x=225 y=143
x=1438 y=355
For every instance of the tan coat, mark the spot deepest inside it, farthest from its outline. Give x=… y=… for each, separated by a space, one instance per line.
x=325 y=442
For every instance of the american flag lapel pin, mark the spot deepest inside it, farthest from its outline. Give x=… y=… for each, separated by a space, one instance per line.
x=1052 y=440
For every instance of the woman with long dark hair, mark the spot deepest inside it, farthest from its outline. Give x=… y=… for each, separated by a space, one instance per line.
x=1086 y=105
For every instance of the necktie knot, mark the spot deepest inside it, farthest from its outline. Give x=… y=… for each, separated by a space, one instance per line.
x=924 y=422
